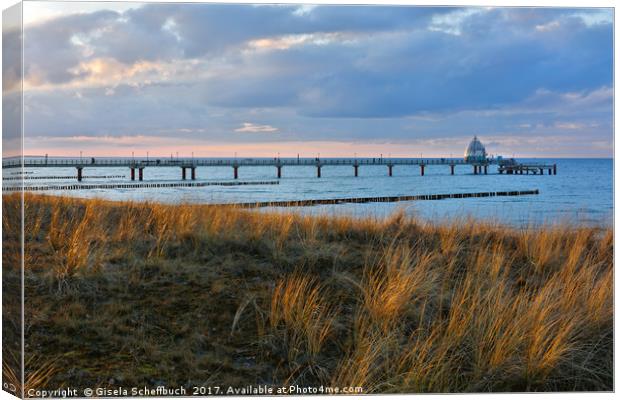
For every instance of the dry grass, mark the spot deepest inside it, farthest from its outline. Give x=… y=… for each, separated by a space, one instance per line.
x=145 y=294
x=38 y=373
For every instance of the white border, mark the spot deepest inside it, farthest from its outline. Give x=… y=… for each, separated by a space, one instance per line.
x=508 y=3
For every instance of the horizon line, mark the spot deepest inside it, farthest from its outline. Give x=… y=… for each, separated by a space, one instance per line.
x=300 y=156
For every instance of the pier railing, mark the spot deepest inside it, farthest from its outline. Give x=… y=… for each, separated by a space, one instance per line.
x=198 y=162
x=480 y=166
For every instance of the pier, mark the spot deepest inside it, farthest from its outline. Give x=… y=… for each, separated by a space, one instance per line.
x=535 y=169
x=187 y=166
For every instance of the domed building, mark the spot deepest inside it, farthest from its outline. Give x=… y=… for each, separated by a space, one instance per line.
x=475 y=151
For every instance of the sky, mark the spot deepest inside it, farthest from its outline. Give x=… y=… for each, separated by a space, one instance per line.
x=215 y=80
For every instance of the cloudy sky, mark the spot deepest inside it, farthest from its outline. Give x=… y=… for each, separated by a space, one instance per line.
x=107 y=78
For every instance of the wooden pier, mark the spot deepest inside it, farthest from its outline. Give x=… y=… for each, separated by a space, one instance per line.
x=527 y=169
x=190 y=165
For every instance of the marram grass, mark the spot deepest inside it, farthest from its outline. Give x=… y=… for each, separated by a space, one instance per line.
x=138 y=294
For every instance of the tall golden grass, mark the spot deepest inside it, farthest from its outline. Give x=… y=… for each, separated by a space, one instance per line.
x=391 y=305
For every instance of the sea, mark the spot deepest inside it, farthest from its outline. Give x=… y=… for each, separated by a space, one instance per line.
x=580 y=193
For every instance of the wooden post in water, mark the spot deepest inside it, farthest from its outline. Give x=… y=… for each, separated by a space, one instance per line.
x=451 y=169
x=555 y=170
x=485 y=170
x=421 y=169
x=79 y=172
x=389 y=169
x=133 y=173
x=140 y=174
x=355 y=169
x=183 y=173
x=318 y=170
x=193 y=173
x=279 y=167
x=236 y=171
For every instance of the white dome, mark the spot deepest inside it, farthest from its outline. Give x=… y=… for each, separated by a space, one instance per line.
x=475 y=150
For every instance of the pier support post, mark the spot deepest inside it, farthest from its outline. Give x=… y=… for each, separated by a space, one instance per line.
x=475 y=170
x=486 y=170
x=193 y=173
x=183 y=173
x=140 y=174
x=236 y=171
x=421 y=169
x=79 y=172
x=279 y=167
x=133 y=174
x=549 y=170
x=541 y=171
x=355 y=170
x=555 y=170
x=451 y=169
x=318 y=171
x=390 y=169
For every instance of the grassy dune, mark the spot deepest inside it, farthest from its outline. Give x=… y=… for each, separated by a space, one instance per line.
x=147 y=294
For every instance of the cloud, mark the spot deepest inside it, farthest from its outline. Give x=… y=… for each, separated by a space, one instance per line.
x=357 y=74
x=253 y=128
x=49 y=51
x=452 y=22
x=549 y=26
x=569 y=125
x=156 y=32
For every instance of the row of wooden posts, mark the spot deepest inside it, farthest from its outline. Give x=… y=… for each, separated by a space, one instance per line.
x=477 y=170
x=381 y=199
x=27 y=178
x=534 y=169
x=135 y=185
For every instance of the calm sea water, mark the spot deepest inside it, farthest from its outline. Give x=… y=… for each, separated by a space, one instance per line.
x=581 y=192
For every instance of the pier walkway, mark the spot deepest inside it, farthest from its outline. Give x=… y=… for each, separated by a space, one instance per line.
x=533 y=168
x=190 y=164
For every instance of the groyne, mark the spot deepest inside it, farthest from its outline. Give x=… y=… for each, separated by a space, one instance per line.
x=382 y=199
x=134 y=185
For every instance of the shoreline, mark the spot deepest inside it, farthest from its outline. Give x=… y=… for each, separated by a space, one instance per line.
x=568 y=220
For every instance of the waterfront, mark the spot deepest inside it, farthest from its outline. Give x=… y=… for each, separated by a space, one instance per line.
x=581 y=192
